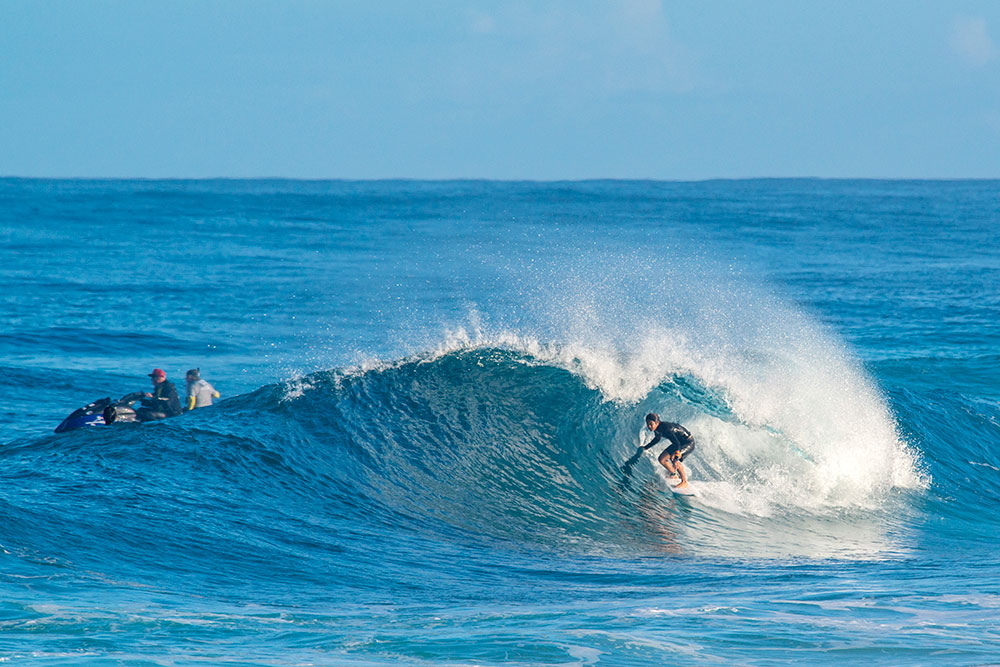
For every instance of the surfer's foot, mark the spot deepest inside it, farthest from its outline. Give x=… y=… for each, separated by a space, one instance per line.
x=682 y=486
x=674 y=480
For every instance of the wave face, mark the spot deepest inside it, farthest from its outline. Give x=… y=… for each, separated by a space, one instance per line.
x=427 y=450
x=539 y=444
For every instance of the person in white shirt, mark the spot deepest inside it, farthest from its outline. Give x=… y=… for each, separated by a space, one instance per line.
x=199 y=392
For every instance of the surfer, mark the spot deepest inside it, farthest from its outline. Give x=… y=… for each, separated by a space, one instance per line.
x=163 y=402
x=682 y=444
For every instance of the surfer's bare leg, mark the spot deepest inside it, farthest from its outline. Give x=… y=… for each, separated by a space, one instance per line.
x=684 y=479
x=666 y=462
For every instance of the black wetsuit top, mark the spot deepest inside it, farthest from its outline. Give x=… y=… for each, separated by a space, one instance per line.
x=681 y=440
x=164 y=399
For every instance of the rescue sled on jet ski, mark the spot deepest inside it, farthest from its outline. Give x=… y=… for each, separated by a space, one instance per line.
x=102 y=411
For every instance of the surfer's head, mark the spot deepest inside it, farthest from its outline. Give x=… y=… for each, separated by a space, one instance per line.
x=652 y=421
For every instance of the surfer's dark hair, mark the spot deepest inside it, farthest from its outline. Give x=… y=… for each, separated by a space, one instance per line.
x=652 y=417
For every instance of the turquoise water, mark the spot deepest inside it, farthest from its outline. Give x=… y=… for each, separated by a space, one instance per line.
x=426 y=450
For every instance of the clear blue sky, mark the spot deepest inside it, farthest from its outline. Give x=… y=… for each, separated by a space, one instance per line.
x=538 y=90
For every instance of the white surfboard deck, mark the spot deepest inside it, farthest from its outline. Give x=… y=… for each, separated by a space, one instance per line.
x=685 y=491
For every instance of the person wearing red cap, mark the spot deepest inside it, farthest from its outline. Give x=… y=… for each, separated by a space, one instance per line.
x=163 y=402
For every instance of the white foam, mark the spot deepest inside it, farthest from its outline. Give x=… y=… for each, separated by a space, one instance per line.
x=809 y=428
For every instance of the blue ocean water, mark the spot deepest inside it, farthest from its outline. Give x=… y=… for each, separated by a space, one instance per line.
x=426 y=450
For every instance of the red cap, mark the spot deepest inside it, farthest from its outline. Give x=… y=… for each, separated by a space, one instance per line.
x=158 y=373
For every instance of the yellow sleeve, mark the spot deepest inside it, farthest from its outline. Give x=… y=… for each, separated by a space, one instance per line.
x=215 y=394
x=190 y=402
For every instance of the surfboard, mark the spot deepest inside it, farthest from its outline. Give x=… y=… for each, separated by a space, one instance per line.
x=686 y=491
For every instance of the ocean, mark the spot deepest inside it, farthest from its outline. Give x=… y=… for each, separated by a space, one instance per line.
x=426 y=450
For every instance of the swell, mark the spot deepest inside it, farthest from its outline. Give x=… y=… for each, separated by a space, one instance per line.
x=501 y=439
x=507 y=439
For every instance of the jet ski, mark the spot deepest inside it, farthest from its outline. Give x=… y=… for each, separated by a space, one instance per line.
x=102 y=411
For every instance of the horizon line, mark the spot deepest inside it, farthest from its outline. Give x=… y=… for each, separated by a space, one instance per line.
x=477 y=179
